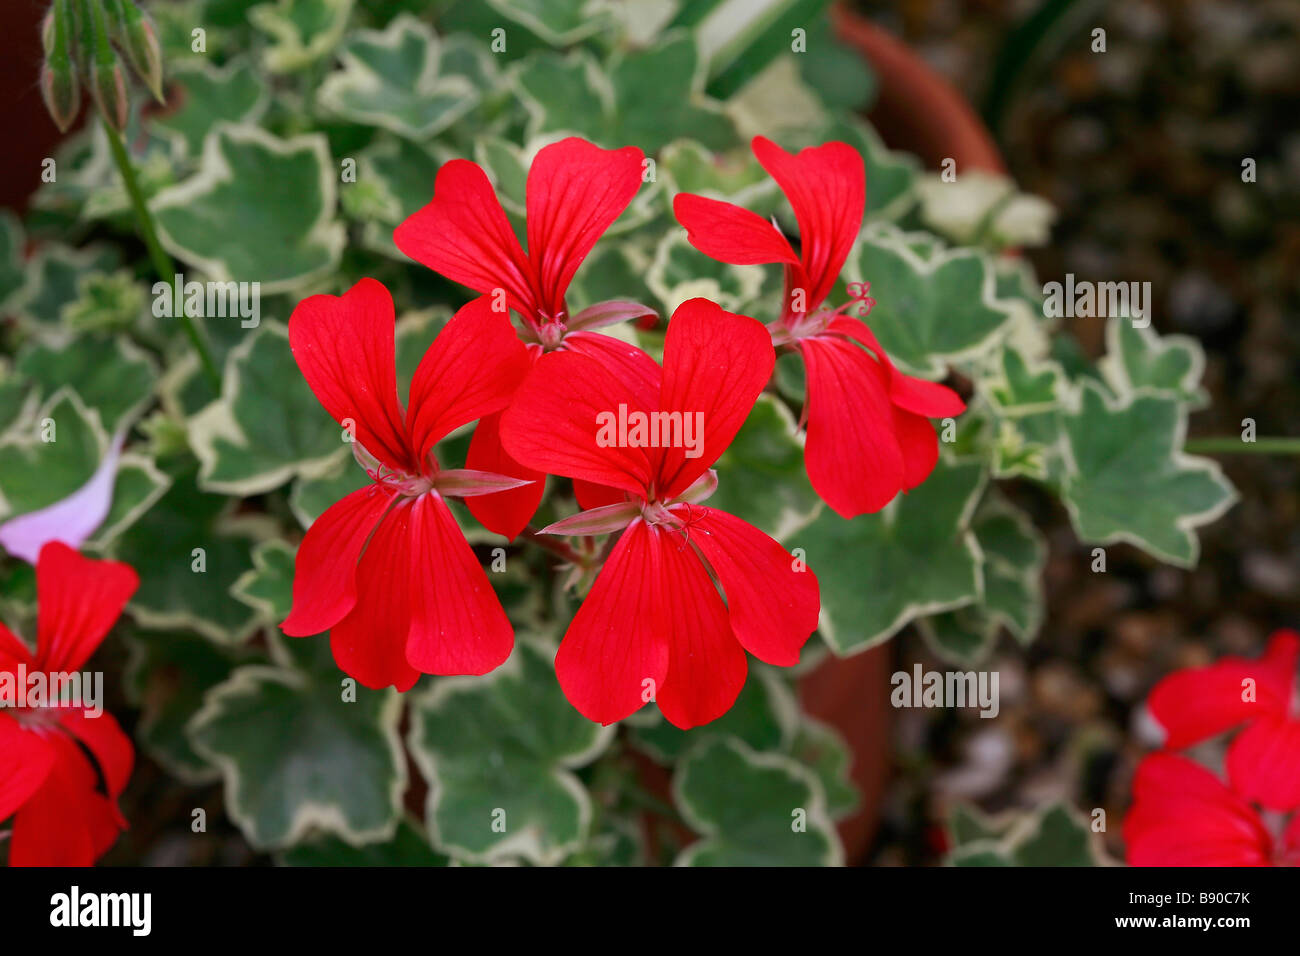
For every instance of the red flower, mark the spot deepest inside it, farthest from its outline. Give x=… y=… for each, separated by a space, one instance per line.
x=868 y=437
x=1198 y=703
x=48 y=783
x=575 y=192
x=386 y=570
x=654 y=626
x=1183 y=815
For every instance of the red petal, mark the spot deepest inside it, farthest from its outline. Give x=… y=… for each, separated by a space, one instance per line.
x=78 y=599
x=14 y=652
x=325 y=571
x=344 y=347
x=920 y=446
x=1196 y=703
x=370 y=643
x=706 y=665
x=506 y=513
x=1182 y=815
x=575 y=192
x=591 y=495
x=470 y=370
x=826 y=186
x=852 y=453
x=66 y=823
x=1264 y=763
x=617 y=641
x=638 y=372
x=715 y=365
x=457 y=623
x=729 y=233
x=28 y=759
x=552 y=423
x=773 y=607
x=105 y=739
x=918 y=395
x=463 y=234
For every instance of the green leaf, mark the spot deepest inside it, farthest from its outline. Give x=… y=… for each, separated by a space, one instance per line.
x=268 y=587
x=260 y=209
x=927 y=312
x=267 y=427
x=498 y=752
x=916 y=557
x=184 y=531
x=13 y=277
x=761 y=475
x=54 y=276
x=392 y=79
x=167 y=677
x=968 y=824
x=891 y=176
x=139 y=483
x=295 y=754
x=735 y=176
x=301 y=31
x=1139 y=360
x=558 y=22
x=1129 y=480
x=1054 y=835
x=649 y=97
x=679 y=272
x=53 y=458
x=408 y=847
x=979 y=854
x=752 y=809
x=235 y=93
x=822 y=749
x=113 y=376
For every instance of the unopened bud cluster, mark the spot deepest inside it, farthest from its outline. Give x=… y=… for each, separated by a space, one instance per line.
x=84 y=44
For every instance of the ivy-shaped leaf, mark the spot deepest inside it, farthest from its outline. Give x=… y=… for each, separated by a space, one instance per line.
x=1128 y=478
x=1055 y=835
x=267 y=427
x=409 y=847
x=499 y=754
x=113 y=376
x=560 y=23
x=139 y=483
x=1137 y=359
x=916 y=557
x=392 y=79
x=260 y=209
x=297 y=752
x=822 y=749
x=752 y=809
x=234 y=93
x=761 y=475
x=268 y=586
x=54 y=280
x=928 y=311
x=301 y=31
x=55 y=456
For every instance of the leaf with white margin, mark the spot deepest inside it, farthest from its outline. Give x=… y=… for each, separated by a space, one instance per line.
x=391 y=78
x=1022 y=386
x=736 y=176
x=268 y=586
x=268 y=427
x=761 y=475
x=679 y=272
x=778 y=104
x=646 y=98
x=302 y=31
x=558 y=22
x=614 y=270
x=53 y=283
x=1128 y=479
x=167 y=676
x=296 y=756
x=234 y=93
x=928 y=312
x=823 y=750
x=138 y=485
x=163 y=545
x=1139 y=360
x=503 y=748
x=983 y=207
x=113 y=376
x=1014 y=555
x=765 y=716
x=13 y=276
x=891 y=176
x=260 y=209
x=1053 y=835
x=749 y=807
x=917 y=557
x=409 y=847
x=35 y=473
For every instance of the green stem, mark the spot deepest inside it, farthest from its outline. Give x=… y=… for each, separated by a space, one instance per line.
x=1236 y=446
x=162 y=262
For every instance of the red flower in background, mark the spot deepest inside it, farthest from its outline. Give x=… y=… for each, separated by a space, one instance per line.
x=48 y=783
x=1183 y=815
x=654 y=625
x=575 y=191
x=868 y=434
x=386 y=570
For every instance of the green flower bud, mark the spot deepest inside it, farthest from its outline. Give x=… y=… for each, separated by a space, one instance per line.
x=61 y=91
x=108 y=87
x=141 y=43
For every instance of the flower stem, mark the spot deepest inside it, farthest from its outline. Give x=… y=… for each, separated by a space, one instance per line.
x=1235 y=446
x=555 y=546
x=162 y=262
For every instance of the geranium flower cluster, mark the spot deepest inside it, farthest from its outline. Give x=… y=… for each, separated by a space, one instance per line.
x=1184 y=814
x=686 y=590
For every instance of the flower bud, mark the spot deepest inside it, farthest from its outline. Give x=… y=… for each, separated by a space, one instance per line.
x=61 y=92
x=141 y=43
x=108 y=87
